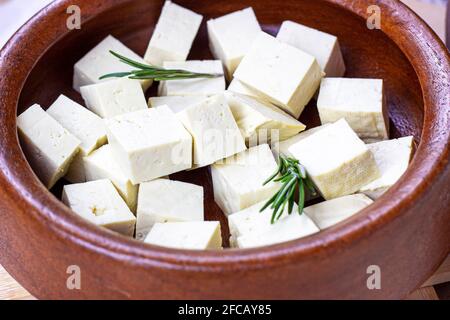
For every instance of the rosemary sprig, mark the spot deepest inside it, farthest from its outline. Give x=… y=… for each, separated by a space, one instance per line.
x=146 y=71
x=293 y=177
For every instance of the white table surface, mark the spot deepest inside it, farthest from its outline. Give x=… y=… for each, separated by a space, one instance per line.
x=14 y=13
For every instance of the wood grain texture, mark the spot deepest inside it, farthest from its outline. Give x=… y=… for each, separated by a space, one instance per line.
x=10 y=289
x=408 y=226
x=425 y=293
x=442 y=275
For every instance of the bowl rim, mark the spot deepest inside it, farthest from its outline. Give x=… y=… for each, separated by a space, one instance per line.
x=426 y=53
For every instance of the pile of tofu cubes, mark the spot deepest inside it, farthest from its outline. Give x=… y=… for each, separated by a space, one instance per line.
x=118 y=150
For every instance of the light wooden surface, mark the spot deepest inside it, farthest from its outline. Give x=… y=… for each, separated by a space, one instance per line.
x=442 y=275
x=425 y=293
x=11 y=290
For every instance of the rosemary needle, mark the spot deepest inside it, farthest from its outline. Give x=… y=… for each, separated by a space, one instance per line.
x=146 y=71
x=292 y=176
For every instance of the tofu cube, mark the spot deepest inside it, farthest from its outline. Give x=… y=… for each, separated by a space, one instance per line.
x=360 y=101
x=193 y=235
x=214 y=130
x=250 y=220
x=238 y=180
x=263 y=233
x=163 y=200
x=149 y=144
x=49 y=148
x=199 y=86
x=99 y=61
x=323 y=46
x=280 y=73
x=115 y=97
x=392 y=158
x=231 y=36
x=337 y=161
x=237 y=86
x=282 y=147
x=83 y=124
x=256 y=119
x=99 y=203
x=176 y=103
x=173 y=35
x=101 y=164
x=328 y=213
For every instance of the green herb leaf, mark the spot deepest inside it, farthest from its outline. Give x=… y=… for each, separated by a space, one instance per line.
x=131 y=62
x=115 y=75
x=292 y=176
x=145 y=72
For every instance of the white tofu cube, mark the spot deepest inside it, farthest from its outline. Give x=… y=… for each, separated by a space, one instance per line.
x=392 y=158
x=238 y=180
x=323 y=46
x=251 y=220
x=286 y=76
x=289 y=227
x=238 y=87
x=83 y=124
x=337 y=161
x=163 y=200
x=99 y=203
x=49 y=148
x=99 y=61
x=282 y=147
x=256 y=119
x=198 y=86
x=149 y=144
x=231 y=36
x=176 y=103
x=359 y=101
x=173 y=35
x=101 y=164
x=194 y=235
x=328 y=213
x=214 y=130
x=115 y=97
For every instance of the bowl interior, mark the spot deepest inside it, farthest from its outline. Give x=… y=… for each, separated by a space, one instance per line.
x=365 y=54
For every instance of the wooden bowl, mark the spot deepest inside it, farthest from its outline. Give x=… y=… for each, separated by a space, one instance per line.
x=406 y=232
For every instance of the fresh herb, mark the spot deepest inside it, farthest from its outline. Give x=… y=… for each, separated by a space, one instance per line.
x=294 y=179
x=146 y=71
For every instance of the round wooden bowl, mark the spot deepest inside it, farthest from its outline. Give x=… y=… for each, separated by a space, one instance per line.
x=406 y=232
